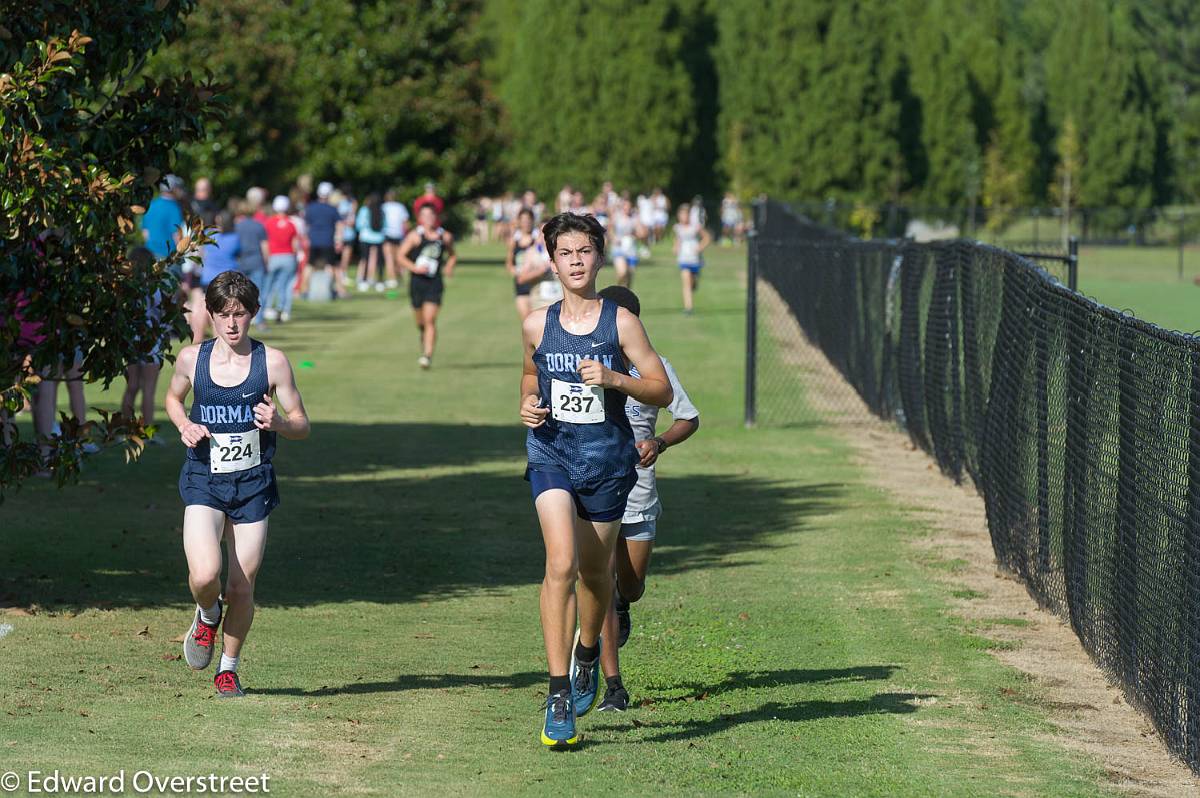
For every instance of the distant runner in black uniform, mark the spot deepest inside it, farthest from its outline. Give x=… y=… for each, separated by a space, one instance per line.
x=428 y=254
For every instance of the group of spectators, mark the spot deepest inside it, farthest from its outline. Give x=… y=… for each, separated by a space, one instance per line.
x=323 y=241
x=496 y=218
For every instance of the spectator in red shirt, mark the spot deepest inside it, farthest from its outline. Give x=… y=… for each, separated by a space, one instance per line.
x=430 y=197
x=284 y=245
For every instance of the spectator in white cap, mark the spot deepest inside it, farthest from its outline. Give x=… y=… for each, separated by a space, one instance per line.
x=284 y=247
x=322 y=220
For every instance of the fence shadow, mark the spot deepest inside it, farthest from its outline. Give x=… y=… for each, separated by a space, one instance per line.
x=797 y=712
x=386 y=513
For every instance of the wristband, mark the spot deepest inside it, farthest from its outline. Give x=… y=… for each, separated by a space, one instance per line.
x=662 y=444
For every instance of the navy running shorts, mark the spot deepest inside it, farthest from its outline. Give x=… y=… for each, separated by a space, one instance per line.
x=522 y=290
x=598 y=500
x=244 y=496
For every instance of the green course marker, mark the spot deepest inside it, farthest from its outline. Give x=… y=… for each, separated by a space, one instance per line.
x=306 y=364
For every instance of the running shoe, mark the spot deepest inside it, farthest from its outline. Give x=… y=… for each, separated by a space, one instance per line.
x=285 y=317
x=584 y=678
x=200 y=641
x=624 y=622
x=424 y=361
x=616 y=699
x=227 y=685
x=559 y=729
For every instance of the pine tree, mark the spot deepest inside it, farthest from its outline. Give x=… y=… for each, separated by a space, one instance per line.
x=598 y=91
x=940 y=82
x=1065 y=189
x=1104 y=81
x=1172 y=29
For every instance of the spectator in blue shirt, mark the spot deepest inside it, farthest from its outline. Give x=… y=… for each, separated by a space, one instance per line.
x=218 y=257
x=164 y=218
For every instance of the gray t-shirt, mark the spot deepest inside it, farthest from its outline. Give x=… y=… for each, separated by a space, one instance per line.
x=643 y=504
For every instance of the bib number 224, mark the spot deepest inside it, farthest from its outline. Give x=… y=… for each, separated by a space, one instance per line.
x=234 y=451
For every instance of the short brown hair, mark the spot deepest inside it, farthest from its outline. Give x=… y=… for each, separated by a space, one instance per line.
x=569 y=222
x=229 y=287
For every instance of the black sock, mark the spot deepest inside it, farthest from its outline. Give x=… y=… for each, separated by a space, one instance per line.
x=559 y=683
x=585 y=654
x=613 y=682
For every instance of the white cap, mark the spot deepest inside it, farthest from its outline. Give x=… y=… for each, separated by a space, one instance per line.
x=280 y=204
x=324 y=189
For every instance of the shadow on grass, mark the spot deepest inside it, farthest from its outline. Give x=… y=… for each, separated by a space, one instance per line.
x=757 y=680
x=415 y=681
x=797 y=712
x=386 y=513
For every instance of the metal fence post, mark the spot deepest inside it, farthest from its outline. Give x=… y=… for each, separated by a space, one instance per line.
x=752 y=328
x=1073 y=263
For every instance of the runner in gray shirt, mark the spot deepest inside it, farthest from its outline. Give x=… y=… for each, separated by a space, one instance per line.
x=638 y=527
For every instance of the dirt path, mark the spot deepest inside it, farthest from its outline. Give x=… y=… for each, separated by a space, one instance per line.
x=1090 y=712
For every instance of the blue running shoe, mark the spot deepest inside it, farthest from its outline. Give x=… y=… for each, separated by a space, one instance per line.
x=559 y=730
x=584 y=678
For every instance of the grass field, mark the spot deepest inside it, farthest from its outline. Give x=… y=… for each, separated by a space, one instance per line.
x=791 y=639
x=1144 y=281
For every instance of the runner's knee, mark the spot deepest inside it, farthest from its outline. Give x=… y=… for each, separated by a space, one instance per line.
x=632 y=590
x=561 y=569
x=205 y=575
x=239 y=591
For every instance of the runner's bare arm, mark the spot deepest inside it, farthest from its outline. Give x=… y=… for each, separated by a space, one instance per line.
x=653 y=388
x=531 y=414
x=535 y=268
x=406 y=246
x=177 y=391
x=705 y=238
x=292 y=423
x=451 y=254
x=510 y=260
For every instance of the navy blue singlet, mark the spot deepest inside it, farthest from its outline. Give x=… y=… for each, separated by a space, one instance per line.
x=584 y=452
x=230 y=409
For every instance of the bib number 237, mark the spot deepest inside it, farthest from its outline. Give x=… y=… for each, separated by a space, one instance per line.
x=576 y=403
x=234 y=451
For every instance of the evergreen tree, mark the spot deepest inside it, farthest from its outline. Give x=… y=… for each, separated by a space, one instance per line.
x=1172 y=29
x=599 y=91
x=940 y=81
x=1104 y=80
x=767 y=57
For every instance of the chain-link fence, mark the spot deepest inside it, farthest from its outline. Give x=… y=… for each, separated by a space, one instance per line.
x=1079 y=425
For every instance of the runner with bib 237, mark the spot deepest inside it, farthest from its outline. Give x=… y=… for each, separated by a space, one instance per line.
x=578 y=353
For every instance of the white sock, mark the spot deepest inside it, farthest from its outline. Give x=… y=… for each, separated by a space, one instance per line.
x=212 y=615
x=228 y=663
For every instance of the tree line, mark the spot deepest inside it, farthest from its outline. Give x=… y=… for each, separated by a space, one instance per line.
x=937 y=102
